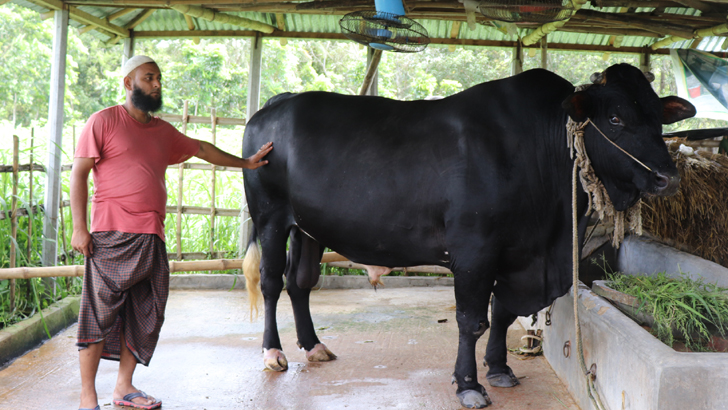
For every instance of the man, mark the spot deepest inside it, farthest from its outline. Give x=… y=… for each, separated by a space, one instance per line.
x=127 y=273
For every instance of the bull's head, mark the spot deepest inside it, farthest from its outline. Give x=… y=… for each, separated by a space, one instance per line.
x=622 y=104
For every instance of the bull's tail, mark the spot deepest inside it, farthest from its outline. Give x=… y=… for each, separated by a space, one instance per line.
x=251 y=271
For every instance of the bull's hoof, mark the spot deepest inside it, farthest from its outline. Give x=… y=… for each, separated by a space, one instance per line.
x=474 y=399
x=320 y=353
x=503 y=379
x=275 y=360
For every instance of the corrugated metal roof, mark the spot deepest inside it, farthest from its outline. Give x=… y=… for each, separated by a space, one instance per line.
x=171 y=20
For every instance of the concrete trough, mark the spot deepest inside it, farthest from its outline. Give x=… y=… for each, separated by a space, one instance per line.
x=634 y=370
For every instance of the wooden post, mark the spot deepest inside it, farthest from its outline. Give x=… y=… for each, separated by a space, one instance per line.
x=180 y=185
x=30 y=197
x=62 y=230
x=128 y=48
x=256 y=62
x=14 y=216
x=213 y=120
x=544 y=53
x=55 y=141
x=517 y=63
x=371 y=71
x=645 y=62
x=374 y=87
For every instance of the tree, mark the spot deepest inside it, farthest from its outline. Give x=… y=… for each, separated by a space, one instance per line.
x=25 y=47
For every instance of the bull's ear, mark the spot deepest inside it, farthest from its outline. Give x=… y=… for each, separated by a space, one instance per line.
x=675 y=109
x=578 y=106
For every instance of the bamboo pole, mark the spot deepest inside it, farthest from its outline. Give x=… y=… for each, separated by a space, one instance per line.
x=638 y=21
x=205 y=167
x=214 y=180
x=719 y=30
x=109 y=19
x=203 y=210
x=62 y=229
x=41 y=272
x=411 y=269
x=215 y=264
x=370 y=72
x=209 y=15
x=547 y=28
x=30 y=196
x=139 y=18
x=4 y=169
x=190 y=266
x=78 y=270
x=198 y=119
x=329 y=257
x=170 y=209
x=180 y=186
x=14 y=217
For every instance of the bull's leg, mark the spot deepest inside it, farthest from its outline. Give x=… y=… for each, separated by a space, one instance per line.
x=471 y=296
x=302 y=273
x=272 y=266
x=496 y=353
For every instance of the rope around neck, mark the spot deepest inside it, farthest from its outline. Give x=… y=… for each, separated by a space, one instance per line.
x=597 y=194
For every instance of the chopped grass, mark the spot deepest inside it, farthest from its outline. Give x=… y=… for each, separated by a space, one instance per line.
x=696 y=309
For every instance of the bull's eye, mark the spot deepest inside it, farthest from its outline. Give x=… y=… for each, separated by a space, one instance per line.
x=614 y=120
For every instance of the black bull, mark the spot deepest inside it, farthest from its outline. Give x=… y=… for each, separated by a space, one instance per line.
x=479 y=182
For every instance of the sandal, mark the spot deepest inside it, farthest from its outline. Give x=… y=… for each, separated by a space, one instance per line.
x=127 y=401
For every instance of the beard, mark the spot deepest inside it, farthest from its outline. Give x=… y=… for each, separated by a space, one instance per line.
x=145 y=102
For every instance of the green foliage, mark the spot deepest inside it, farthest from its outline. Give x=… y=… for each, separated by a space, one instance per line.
x=690 y=306
x=24 y=78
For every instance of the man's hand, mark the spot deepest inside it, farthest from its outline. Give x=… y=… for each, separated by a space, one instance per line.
x=213 y=155
x=81 y=241
x=254 y=161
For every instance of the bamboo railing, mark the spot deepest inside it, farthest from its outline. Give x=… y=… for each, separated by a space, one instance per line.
x=332 y=258
x=14 y=216
x=179 y=209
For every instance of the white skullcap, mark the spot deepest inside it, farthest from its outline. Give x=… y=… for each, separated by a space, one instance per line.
x=133 y=63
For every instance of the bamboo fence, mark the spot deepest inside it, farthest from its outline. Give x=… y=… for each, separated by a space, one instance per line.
x=179 y=209
x=331 y=258
x=13 y=216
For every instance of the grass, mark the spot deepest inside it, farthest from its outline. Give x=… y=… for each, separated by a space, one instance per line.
x=695 y=308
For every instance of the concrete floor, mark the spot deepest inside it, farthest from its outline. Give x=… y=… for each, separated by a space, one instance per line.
x=393 y=354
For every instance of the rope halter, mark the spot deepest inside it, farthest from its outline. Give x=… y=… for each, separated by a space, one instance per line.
x=598 y=197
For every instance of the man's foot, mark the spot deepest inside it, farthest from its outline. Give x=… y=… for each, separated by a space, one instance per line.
x=88 y=401
x=137 y=399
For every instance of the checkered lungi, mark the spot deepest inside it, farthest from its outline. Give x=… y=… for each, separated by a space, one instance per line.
x=125 y=289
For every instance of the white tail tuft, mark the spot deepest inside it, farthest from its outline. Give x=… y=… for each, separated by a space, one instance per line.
x=251 y=271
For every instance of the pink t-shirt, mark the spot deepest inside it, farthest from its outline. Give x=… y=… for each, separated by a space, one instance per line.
x=130 y=194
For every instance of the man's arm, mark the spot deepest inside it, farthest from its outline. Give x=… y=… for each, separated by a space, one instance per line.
x=214 y=155
x=81 y=239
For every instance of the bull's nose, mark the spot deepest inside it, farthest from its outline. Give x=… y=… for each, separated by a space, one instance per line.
x=666 y=185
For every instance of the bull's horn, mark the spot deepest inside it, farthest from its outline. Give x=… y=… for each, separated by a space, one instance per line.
x=598 y=78
x=649 y=76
